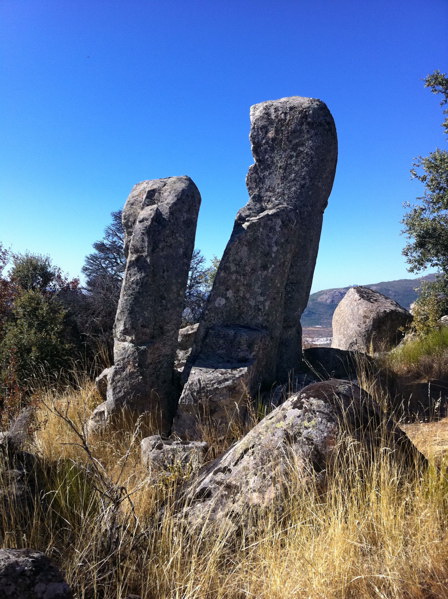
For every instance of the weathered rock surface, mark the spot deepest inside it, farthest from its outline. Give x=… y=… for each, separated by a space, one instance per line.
x=29 y=574
x=160 y=222
x=297 y=439
x=368 y=321
x=101 y=383
x=99 y=421
x=250 y=334
x=443 y=321
x=185 y=342
x=163 y=455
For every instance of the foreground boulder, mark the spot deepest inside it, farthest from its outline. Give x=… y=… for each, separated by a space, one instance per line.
x=29 y=574
x=298 y=441
x=159 y=219
x=250 y=334
x=368 y=321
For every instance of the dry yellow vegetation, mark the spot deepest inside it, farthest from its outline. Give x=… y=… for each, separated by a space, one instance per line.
x=375 y=533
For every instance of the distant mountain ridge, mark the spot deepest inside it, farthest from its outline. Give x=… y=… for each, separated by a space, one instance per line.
x=322 y=304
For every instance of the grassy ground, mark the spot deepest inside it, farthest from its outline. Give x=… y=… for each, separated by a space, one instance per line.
x=380 y=534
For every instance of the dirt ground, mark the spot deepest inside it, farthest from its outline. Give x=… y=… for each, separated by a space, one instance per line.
x=316 y=336
x=431 y=438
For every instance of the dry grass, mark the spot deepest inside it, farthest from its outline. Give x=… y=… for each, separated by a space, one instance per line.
x=379 y=534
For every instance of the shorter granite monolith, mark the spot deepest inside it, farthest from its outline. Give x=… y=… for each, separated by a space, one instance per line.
x=159 y=219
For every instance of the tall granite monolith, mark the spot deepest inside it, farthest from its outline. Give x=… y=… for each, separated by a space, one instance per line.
x=250 y=334
x=159 y=219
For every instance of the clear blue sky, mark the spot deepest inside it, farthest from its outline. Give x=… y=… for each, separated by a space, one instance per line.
x=100 y=94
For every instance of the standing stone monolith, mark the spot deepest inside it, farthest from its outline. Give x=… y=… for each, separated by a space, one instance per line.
x=250 y=334
x=159 y=219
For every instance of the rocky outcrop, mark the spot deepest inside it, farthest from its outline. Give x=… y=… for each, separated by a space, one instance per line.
x=159 y=219
x=29 y=574
x=368 y=321
x=250 y=335
x=296 y=442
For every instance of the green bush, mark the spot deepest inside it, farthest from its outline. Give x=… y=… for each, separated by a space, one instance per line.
x=34 y=339
x=427 y=354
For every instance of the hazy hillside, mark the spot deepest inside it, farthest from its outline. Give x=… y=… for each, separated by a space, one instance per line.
x=322 y=304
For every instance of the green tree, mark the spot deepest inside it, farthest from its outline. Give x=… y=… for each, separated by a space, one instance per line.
x=36 y=340
x=104 y=269
x=426 y=223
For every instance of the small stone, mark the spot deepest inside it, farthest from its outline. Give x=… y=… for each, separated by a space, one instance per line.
x=29 y=574
x=160 y=455
x=185 y=342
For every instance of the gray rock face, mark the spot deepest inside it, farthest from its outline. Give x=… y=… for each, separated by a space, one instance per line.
x=301 y=435
x=160 y=223
x=185 y=342
x=368 y=321
x=250 y=335
x=29 y=574
x=162 y=455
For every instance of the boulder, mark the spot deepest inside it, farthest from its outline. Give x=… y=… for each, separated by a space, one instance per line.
x=443 y=321
x=250 y=334
x=159 y=219
x=368 y=321
x=161 y=456
x=29 y=574
x=298 y=440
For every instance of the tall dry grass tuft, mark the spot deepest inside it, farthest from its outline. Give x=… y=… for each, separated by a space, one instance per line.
x=378 y=530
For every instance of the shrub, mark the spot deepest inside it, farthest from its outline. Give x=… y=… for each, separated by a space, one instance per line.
x=425 y=355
